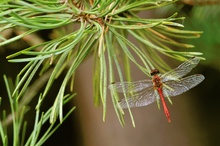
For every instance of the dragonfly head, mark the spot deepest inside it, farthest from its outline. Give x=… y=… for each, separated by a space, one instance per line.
x=154 y=72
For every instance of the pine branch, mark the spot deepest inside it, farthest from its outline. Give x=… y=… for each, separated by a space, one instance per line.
x=101 y=29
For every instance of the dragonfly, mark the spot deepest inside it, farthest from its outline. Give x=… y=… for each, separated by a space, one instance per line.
x=160 y=86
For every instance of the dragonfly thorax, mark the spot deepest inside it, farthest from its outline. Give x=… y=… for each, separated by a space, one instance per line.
x=157 y=82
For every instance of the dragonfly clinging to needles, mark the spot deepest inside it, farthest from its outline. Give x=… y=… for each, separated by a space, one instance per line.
x=144 y=92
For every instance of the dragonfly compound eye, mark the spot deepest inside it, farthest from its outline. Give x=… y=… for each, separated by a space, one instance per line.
x=154 y=72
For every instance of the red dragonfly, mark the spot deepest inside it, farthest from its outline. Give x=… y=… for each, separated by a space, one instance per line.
x=144 y=92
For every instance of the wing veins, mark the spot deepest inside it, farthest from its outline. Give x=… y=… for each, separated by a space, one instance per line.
x=143 y=98
x=184 y=84
x=130 y=86
x=181 y=70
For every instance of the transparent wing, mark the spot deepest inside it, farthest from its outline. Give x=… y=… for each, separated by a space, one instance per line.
x=139 y=99
x=130 y=86
x=177 y=87
x=181 y=70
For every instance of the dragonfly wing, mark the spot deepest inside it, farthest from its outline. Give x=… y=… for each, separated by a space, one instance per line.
x=130 y=86
x=181 y=70
x=139 y=99
x=177 y=87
